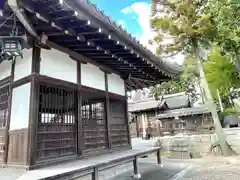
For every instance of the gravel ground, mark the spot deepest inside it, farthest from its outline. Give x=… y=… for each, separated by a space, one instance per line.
x=203 y=169
x=149 y=170
x=213 y=171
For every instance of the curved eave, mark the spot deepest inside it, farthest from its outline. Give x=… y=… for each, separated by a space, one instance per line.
x=82 y=28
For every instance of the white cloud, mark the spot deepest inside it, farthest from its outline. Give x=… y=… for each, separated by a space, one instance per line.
x=122 y=23
x=143 y=12
x=127 y=10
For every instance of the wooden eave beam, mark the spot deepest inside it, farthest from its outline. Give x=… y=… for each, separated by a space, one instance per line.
x=138 y=83
x=75 y=6
x=143 y=80
x=79 y=56
x=72 y=5
x=100 y=57
x=72 y=32
x=95 y=53
x=88 y=33
x=58 y=26
x=132 y=84
x=78 y=60
x=129 y=87
x=81 y=49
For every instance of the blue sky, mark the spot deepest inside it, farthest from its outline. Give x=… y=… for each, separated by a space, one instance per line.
x=126 y=12
x=134 y=16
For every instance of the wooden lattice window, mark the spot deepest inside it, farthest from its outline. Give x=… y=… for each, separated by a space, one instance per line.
x=4 y=96
x=94 y=125
x=56 y=136
x=93 y=113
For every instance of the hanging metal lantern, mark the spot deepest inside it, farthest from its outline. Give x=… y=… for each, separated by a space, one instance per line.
x=11 y=46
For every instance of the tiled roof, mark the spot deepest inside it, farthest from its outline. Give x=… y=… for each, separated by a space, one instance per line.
x=172 y=101
x=183 y=112
x=143 y=105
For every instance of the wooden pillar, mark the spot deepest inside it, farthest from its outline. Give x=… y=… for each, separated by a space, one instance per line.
x=79 y=123
x=143 y=125
x=80 y=144
x=33 y=111
x=36 y=58
x=95 y=174
x=127 y=117
x=159 y=161
x=79 y=73
x=136 y=173
x=137 y=126
x=108 y=117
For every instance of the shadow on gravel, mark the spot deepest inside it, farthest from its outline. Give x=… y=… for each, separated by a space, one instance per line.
x=153 y=172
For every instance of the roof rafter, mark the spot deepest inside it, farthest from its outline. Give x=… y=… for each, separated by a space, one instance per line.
x=79 y=37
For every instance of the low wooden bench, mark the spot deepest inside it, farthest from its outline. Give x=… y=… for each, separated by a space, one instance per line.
x=92 y=166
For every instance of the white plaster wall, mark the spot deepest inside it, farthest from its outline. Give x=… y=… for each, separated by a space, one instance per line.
x=5 y=69
x=20 y=107
x=58 y=65
x=92 y=76
x=116 y=84
x=23 y=66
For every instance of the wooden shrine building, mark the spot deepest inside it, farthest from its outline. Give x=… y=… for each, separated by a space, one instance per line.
x=166 y=116
x=66 y=96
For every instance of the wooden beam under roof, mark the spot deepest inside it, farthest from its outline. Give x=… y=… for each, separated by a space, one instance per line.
x=46 y=19
x=135 y=83
x=138 y=83
x=72 y=32
x=74 y=5
x=80 y=56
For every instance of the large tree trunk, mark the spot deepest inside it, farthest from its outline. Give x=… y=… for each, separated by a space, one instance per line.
x=226 y=150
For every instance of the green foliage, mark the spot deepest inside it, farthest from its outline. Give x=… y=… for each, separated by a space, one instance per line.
x=188 y=22
x=227 y=14
x=195 y=25
x=185 y=83
x=228 y=111
x=169 y=87
x=221 y=74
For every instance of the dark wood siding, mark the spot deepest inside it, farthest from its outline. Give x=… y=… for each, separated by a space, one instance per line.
x=17 y=150
x=94 y=126
x=4 y=96
x=118 y=123
x=2 y=140
x=57 y=130
x=4 y=116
